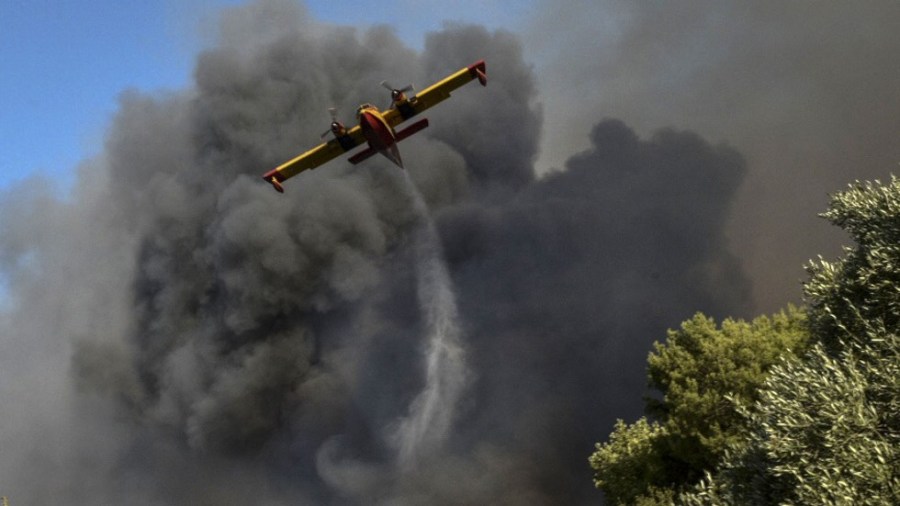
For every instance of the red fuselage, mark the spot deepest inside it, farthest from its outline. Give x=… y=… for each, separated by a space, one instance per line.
x=379 y=134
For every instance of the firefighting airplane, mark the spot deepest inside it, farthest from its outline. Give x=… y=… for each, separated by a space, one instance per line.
x=376 y=127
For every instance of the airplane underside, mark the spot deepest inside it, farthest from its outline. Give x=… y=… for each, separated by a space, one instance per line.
x=382 y=139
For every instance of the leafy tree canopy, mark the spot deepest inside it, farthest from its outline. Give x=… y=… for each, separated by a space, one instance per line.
x=763 y=426
x=695 y=371
x=826 y=430
x=861 y=291
x=823 y=432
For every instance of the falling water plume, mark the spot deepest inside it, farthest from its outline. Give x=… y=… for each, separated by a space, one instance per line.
x=431 y=413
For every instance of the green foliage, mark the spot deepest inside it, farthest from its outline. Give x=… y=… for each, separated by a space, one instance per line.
x=700 y=369
x=656 y=497
x=696 y=370
x=628 y=461
x=818 y=435
x=826 y=430
x=850 y=296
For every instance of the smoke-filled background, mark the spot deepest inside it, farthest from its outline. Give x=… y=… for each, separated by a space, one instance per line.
x=806 y=90
x=175 y=332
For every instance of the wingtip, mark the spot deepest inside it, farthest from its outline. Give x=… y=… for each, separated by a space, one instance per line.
x=482 y=78
x=479 y=70
x=271 y=177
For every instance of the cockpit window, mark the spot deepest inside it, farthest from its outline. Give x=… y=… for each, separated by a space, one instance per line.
x=361 y=107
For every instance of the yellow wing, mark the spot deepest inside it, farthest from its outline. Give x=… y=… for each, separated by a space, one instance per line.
x=314 y=157
x=437 y=93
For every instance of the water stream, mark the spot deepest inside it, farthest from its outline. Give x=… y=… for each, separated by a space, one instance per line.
x=431 y=414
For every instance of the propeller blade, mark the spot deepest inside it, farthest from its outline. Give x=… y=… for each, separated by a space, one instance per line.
x=333 y=112
x=395 y=93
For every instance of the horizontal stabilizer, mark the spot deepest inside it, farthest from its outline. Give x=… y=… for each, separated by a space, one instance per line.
x=362 y=155
x=412 y=129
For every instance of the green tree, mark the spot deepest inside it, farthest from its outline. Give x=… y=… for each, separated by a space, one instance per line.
x=701 y=372
x=818 y=435
x=826 y=430
x=630 y=462
x=847 y=298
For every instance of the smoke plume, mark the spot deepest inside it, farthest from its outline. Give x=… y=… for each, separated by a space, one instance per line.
x=807 y=91
x=178 y=333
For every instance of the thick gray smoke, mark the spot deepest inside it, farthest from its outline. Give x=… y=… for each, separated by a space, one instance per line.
x=178 y=333
x=808 y=91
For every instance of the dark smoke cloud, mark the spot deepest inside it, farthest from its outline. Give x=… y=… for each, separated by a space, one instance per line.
x=566 y=285
x=807 y=91
x=181 y=334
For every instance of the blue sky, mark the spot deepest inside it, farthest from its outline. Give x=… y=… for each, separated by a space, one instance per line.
x=65 y=62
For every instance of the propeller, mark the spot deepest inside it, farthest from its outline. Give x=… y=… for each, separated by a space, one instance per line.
x=335 y=124
x=397 y=94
